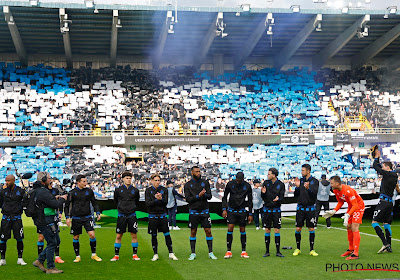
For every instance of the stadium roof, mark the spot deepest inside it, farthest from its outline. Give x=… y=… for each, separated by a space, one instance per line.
x=31 y=30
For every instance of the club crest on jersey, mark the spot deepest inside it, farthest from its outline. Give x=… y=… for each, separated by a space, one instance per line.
x=86 y=193
x=278 y=187
x=133 y=192
x=202 y=184
x=18 y=193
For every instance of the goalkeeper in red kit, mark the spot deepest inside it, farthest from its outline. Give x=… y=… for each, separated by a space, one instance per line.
x=353 y=217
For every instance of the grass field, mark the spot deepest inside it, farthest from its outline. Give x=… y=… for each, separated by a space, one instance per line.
x=330 y=244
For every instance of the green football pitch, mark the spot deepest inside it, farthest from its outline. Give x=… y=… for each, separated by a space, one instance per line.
x=330 y=244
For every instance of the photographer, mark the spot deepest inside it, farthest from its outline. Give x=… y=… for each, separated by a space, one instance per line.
x=54 y=188
x=46 y=221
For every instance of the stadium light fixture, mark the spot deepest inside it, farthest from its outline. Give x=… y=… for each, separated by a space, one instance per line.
x=89 y=3
x=345 y=10
x=269 y=22
x=171 y=29
x=367 y=1
x=169 y=14
x=118 y=25
x=96 y=11
x=363 y=30
x=392 y=9
x=245 y=7
x=220 y=26
x=295 y=8
x=34 y=2
x=319 y=27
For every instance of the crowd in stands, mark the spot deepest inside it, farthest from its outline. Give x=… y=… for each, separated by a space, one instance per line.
x=42 y=98
x=219 y=163
x=172 y=100
x=373 y=94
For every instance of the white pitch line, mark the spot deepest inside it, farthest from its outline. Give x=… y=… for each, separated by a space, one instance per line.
x=368 y=234
x=261 y=230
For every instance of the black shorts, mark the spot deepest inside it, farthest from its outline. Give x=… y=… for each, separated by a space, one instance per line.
x=196 y=218
x=239 y=218
x=14 y=224
x=272 y=218
x=383 y=212
x=76 y=227
x=308 y=216
x=158 y=223
x=124 y=221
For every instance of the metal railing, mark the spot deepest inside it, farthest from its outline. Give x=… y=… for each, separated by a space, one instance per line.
x=188 y=132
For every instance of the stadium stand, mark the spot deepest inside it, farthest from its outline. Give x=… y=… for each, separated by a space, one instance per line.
x=363 y=93
x=34 y=159
x=48 y=99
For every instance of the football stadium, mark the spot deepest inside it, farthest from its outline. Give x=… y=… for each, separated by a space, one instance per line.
x=181 y=139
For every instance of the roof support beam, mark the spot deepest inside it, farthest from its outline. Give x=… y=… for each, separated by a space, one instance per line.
x=336 y=45
x=206 y=43
x=295 y=43
x=251 y=43
x=376 y=47
x=64 y=29
x=16 y=37
x=114 y=39
x=162 y=39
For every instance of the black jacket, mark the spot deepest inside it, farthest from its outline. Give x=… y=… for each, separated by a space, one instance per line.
x=127 y=199
x=12 y=201
x=389 y=179
x=55 y=192
x=307 y=197
x=237 y=196
x=79 y=201
x=45 y=199
x=155 y=206
x=192 y=190
x=273 y=191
